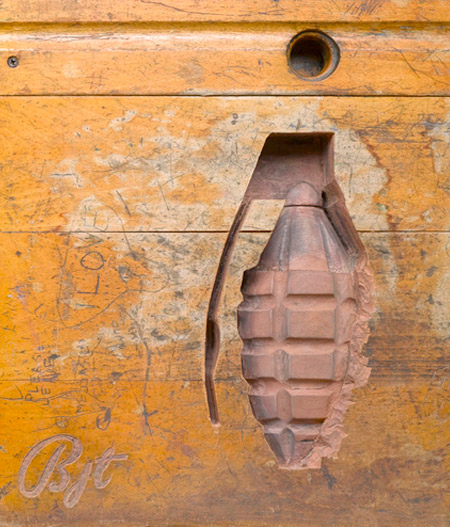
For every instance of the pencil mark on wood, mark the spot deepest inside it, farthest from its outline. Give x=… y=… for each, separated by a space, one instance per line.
x=93 y=260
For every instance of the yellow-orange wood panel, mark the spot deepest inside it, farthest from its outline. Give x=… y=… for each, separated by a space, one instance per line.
x=228 y=60
x=243 y=11
x=72 y=368
x=160 y=163
x=129 y=132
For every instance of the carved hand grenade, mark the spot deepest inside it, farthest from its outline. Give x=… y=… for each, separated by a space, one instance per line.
x=296 y=321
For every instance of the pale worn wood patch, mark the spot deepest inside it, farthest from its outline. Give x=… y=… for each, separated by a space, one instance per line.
x=78 y=365
x=165 y=164
x=112 y=304
x=113 y=213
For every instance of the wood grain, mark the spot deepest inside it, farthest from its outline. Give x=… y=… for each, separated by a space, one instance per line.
x=182 y=164
x=183 y=477
x=231 y=60
x=203 y=10
x=128 y=134
x=77 y=364
x=125 y=312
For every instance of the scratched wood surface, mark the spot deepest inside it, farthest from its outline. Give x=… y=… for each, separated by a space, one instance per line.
x=183 y=163
x=122 y=368
x=376 y=60
x=204 y=10
x=119 y=183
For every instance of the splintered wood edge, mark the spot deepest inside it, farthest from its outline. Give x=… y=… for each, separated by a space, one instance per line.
x=332 y=433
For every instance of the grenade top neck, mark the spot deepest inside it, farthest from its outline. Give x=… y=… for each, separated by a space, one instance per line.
x=304 y=195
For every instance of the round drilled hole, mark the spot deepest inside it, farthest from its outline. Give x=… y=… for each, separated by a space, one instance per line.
x=313 y=55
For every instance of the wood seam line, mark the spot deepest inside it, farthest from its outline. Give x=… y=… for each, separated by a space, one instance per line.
x=225 y=95
x=243 y=231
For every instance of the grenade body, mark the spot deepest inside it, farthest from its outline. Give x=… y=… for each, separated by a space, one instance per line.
x=296 y=322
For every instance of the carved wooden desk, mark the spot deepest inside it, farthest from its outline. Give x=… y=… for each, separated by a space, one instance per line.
x=147 y=150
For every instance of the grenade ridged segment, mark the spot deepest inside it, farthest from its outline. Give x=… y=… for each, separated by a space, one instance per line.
x=296 y=322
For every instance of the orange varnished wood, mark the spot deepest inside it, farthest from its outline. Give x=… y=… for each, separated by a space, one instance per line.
x=232 y=60
x=126 y=144
x=83 y=372
x=204 y=10
x=121 y=163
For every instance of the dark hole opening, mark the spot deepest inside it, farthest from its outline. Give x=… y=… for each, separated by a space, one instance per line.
x=313 y=55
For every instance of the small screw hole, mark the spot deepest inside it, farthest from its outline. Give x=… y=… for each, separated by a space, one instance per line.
x=313 y=55
x=13 y=62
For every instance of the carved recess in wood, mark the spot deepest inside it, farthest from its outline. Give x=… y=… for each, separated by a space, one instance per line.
x=304 y=318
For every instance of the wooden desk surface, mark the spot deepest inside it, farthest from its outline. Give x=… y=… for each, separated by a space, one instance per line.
x=129 y=132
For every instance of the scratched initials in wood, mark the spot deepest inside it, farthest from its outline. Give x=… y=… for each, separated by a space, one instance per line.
x=55 y=465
